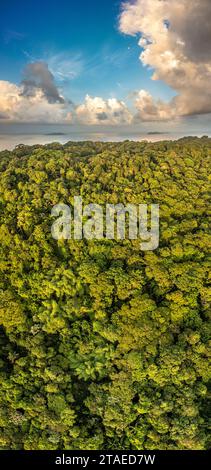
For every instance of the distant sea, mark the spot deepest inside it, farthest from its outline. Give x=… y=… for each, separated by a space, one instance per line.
x=12 y=135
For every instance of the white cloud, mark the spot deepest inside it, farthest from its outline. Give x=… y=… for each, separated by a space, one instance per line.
x=105 y=112
x=150 y=110
x=38 y=99
x=16 y=107
x=176 y=38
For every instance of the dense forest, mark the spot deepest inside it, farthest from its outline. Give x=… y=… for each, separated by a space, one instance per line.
x=102 y=345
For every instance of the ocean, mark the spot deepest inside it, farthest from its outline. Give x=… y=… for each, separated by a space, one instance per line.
x=30 y=134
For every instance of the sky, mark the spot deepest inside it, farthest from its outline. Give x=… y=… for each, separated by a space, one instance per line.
x=136 y=64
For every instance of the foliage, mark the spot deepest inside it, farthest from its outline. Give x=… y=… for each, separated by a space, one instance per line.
x=104 y=346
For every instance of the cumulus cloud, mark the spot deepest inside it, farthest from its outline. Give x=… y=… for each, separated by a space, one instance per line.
x=96 y=110
x=175 y=37
x=36 y=99
x=151 y=110
x=35 y=107
x=29 y=103
x=37 y=76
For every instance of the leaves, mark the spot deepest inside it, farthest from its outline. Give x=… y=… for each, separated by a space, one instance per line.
x=104 y=346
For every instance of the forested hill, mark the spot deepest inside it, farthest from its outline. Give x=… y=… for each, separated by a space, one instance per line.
x=102 y=345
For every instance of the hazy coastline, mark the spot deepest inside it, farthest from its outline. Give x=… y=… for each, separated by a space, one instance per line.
x=29 y=134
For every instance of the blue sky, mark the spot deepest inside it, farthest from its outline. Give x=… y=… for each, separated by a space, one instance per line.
x=79 y=37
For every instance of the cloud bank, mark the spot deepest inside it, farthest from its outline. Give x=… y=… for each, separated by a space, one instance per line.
x=18 y=106
x=175 y=37
x=37 y=99
x=99 y=111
